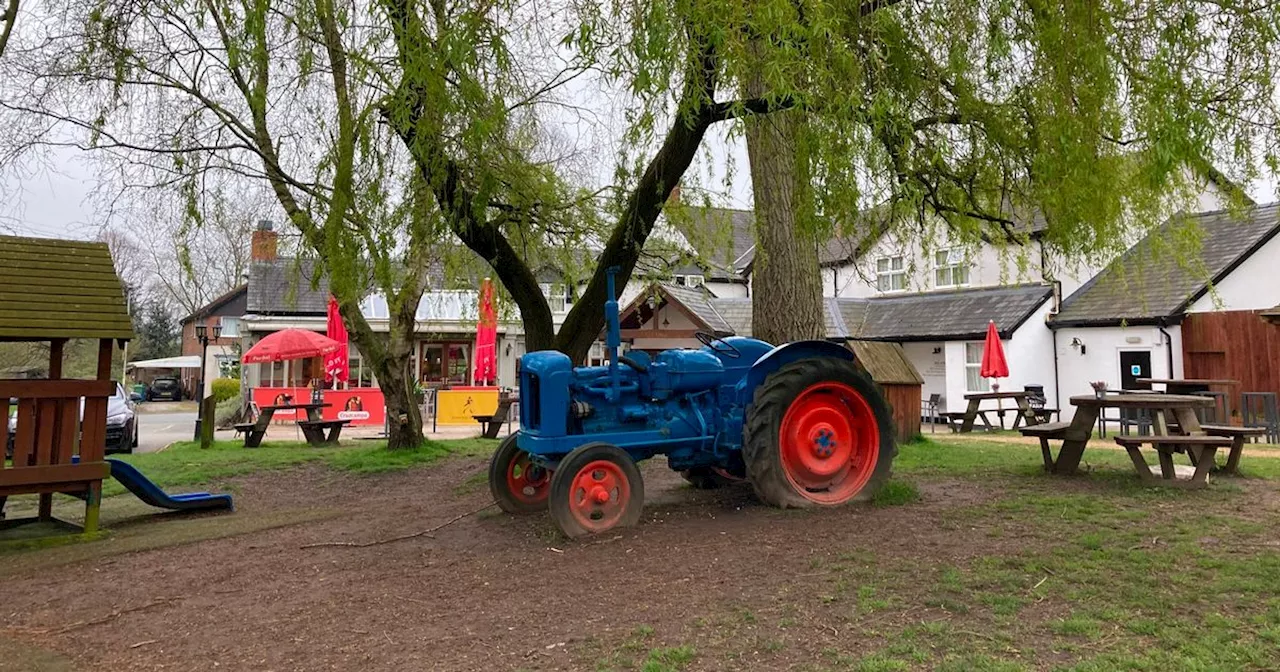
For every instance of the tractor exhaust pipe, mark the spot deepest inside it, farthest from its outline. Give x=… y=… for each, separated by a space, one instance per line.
x=614 y=337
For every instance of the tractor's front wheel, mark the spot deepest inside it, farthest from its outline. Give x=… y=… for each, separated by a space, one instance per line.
x=517 y=483
x=596 y=488
x=818 y=433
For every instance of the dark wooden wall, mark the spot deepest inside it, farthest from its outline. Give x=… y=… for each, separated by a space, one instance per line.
x=1232 y=345
x=904 y=401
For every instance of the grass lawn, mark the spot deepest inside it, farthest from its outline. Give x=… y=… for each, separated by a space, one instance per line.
x=186 y=464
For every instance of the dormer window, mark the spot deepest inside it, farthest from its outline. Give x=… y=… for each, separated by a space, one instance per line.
x=690 y=280
x=950 y=269
x=891 y=274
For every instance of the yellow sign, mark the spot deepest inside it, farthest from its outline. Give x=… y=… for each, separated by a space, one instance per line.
x=456 y=407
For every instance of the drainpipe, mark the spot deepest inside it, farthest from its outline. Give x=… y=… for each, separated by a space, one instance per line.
x=1057 y=392
x=1168 y=345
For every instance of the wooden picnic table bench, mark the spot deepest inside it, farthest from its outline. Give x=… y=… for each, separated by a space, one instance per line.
x=1023 y=408
x=492 y=424
x=315 y=431
x=1164 y=410
x=1200 y=449
x=1046 y=431
x=1238 y=436
x=256 y=430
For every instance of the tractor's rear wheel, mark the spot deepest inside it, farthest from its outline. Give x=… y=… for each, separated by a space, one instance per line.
x=596 y=488
x=818 y=433
x=517 y=483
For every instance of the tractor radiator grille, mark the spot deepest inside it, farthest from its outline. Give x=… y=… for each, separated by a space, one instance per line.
x=530 y=402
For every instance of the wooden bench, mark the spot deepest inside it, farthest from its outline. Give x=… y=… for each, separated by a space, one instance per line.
x=492 y=424
x=1238 y=435
x=253 y=433
x=954 y=420
x=1201 y=450
x=1046 y=431
x=314 y=431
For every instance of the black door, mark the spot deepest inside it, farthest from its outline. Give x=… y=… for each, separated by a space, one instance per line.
x=1135 y=364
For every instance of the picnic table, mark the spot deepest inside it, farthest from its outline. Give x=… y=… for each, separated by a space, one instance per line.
x=1174 y=426
x=1186 y=385
x=313 y=428
x=492 y=424
x=975 y=410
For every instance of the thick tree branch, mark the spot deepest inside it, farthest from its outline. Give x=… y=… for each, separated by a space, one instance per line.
x=8 y=17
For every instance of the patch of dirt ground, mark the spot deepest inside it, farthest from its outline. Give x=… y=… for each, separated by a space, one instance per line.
x=490 y=592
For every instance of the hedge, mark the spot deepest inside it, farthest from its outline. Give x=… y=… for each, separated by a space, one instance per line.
x=225 y=388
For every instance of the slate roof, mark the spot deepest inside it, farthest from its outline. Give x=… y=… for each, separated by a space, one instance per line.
x=1148 y=286
x=285 y=287
x=232 y=303
x=952 y=315
x=723 y=237
x=931 y=316
x=55 y=289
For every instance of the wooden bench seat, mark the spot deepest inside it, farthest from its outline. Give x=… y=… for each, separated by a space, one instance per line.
x=1046 y=431
x=1238 y=436
x=314 y=431
x=1201 y=450
x=954 y=420
x=492 y=424
x=253 y=433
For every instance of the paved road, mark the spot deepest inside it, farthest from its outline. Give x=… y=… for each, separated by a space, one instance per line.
x=157 y=430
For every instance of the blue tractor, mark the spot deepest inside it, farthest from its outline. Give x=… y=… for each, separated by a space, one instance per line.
x=800 y=421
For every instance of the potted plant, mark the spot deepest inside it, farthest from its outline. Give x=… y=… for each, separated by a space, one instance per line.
x=1099 y=388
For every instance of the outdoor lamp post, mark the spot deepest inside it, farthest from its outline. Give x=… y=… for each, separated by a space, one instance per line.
x=202 y=335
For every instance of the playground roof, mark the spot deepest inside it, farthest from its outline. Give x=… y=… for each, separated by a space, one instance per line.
x=56 y=289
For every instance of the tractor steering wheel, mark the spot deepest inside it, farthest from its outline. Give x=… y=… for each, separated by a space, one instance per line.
x=717 y=344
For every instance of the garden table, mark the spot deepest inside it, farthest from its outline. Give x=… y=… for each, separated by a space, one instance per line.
x=971 y=414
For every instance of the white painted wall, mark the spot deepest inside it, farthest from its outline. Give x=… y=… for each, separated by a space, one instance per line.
x=728 y=290
x=989 y=266
x=1030 y=355
x=931 y=366
x=1254 y=285
x=1101 y=357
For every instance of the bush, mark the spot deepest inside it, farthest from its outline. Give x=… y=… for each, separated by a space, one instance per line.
x=225 y=388
x=227 y=412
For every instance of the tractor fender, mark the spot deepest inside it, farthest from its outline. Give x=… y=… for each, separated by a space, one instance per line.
x=783 y=355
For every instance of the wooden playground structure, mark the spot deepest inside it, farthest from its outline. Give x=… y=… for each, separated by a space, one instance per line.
x=54 y=291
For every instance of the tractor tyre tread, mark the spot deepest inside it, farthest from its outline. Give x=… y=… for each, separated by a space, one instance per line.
x=498 y=464
x=764 y=415
x=562 y=483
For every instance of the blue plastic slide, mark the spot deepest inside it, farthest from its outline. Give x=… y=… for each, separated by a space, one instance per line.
x=143 y=488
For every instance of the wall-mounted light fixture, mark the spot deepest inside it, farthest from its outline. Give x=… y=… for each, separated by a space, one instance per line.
x=1079 y=345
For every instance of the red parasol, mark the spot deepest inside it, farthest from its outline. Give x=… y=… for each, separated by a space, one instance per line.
x=993 y=361
x=336 y=363
x=486 y=337
x=290 y=344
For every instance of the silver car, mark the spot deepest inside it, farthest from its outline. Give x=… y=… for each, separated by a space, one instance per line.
x=122 y=423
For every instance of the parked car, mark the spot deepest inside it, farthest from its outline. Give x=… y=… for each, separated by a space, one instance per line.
x=165 y=389
x=122 y=423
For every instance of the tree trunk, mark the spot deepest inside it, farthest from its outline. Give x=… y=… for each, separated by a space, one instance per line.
x=390 y=356
x=786 y=300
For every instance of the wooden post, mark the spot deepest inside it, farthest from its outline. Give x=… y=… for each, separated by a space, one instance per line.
x=207 y=412
x=45 y=511
x=92 y=507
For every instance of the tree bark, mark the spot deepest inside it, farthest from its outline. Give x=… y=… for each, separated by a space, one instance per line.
x=389 y=356
x=786 y=300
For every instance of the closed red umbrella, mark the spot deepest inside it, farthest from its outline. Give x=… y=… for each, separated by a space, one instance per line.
x=290 y=344
x=486 y=337
x=993 y=361
x=336 y=363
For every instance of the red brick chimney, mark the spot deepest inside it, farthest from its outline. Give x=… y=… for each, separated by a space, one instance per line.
x=264 y=242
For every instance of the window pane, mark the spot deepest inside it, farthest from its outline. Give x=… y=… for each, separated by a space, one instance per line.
x=961 y=274
x=940 y=258
x=882 y=264
x=882 y=283
x=973 y=381
x=942 y=277
x=432 y=363
x=973 y=353
x=459 y=365
x=897 y=263
x=899 y=281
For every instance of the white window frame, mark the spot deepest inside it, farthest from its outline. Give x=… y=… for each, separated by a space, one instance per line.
x=691 y=281
x=955 y=264
x=229 y=327
x=559 y=296
x=891 y=278
x=973 y=368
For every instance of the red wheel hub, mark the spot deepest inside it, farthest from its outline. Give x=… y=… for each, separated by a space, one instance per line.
x=528 y=482
x=829 y=442
x=599 y=496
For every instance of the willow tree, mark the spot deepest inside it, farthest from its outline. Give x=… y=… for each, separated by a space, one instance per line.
x=957 y=119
